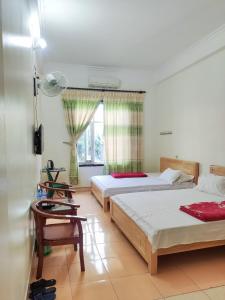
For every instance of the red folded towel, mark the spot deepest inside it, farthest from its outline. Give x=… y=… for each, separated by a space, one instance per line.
x=128 y=175
x=206 y=211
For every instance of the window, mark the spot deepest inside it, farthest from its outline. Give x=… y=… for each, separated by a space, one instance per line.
x=90 y=146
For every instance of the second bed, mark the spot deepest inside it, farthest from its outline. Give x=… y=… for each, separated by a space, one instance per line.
x=155 y=226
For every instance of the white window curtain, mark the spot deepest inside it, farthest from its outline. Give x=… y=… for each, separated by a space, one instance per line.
x=123 y=124
x=79 y=108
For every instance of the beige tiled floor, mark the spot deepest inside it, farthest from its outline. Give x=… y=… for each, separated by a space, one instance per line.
x=115 y=271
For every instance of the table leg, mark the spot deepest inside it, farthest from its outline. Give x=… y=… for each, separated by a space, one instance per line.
x=56 y=176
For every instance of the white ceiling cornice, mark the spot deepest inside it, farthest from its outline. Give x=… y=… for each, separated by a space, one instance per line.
x=192 y=55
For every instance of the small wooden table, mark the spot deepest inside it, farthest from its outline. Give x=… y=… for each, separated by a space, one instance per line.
x=55 y=170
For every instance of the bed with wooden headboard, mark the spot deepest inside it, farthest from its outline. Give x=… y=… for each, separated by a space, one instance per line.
x=188 y=167
x=140 y=240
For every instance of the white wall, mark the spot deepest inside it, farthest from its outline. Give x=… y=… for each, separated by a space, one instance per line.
x=192 y=105
x=18 y=165
x=4 y=252
x=53 y=117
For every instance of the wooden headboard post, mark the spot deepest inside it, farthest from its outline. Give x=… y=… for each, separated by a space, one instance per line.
x=188 y=167
x=217 y=170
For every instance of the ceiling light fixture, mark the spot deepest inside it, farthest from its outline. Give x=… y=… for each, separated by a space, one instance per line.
x=35 y=32
x=18 y=41
x=34 y=26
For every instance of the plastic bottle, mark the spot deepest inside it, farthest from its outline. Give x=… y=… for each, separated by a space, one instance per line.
x=43 y=195
x=39 y=192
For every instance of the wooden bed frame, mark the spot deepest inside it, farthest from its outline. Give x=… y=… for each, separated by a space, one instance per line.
x=188 y=167
x=140 y=240
x=104 y=201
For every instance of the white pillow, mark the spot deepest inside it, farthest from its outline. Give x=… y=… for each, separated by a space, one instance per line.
x=184 y=178
x=212 y=184
x=170 y=175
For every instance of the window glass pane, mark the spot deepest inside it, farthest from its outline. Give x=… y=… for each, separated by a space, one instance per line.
x=88 y=143
x=98 y=117
x=98 y=142
x=90 y=147
x=81 y=148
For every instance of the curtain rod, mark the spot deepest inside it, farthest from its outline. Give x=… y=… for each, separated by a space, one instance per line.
x=105 y=90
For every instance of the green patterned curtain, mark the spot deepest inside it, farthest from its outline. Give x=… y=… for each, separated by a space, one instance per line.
x=79 y=107
x=123 y=122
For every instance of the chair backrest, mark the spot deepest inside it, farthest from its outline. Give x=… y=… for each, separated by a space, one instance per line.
x=40 y=216
x=39 y=220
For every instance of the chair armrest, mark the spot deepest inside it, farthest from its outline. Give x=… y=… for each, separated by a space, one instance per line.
x=47 y=215
x=57 y=189
x=58 y=203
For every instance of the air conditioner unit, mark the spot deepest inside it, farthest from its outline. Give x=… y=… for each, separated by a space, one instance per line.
x=104 y=82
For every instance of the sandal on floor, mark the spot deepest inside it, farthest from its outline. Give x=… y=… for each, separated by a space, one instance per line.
x=40 y=296
x=43 y=291
x=42 y=283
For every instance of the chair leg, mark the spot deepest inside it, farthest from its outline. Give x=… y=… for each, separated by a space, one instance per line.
x=82 y=266
x=75 y=247
x=40 y=261
x=70 y=197
x=36 y=248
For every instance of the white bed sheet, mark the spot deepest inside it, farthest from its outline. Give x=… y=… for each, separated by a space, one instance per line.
x=157 y=214
x=110 y=186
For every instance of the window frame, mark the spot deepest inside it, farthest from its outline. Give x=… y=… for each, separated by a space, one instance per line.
x=91 y=163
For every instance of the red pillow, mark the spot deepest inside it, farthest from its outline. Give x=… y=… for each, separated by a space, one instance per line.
x=128 y=175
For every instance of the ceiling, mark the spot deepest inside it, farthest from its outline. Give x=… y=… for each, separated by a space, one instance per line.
x=125 y=33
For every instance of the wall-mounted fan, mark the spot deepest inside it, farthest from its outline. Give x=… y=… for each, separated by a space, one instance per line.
x=52 y=84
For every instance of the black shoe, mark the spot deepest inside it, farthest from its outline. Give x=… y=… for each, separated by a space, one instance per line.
x=42 y=283
x=44 y=297
x=43 y=291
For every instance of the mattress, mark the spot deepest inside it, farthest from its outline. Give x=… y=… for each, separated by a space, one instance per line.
x=110 y=186
x=157 y=214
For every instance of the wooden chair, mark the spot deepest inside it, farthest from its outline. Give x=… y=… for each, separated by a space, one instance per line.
x=61 y=189
x=59 y=233
x=52 y=183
